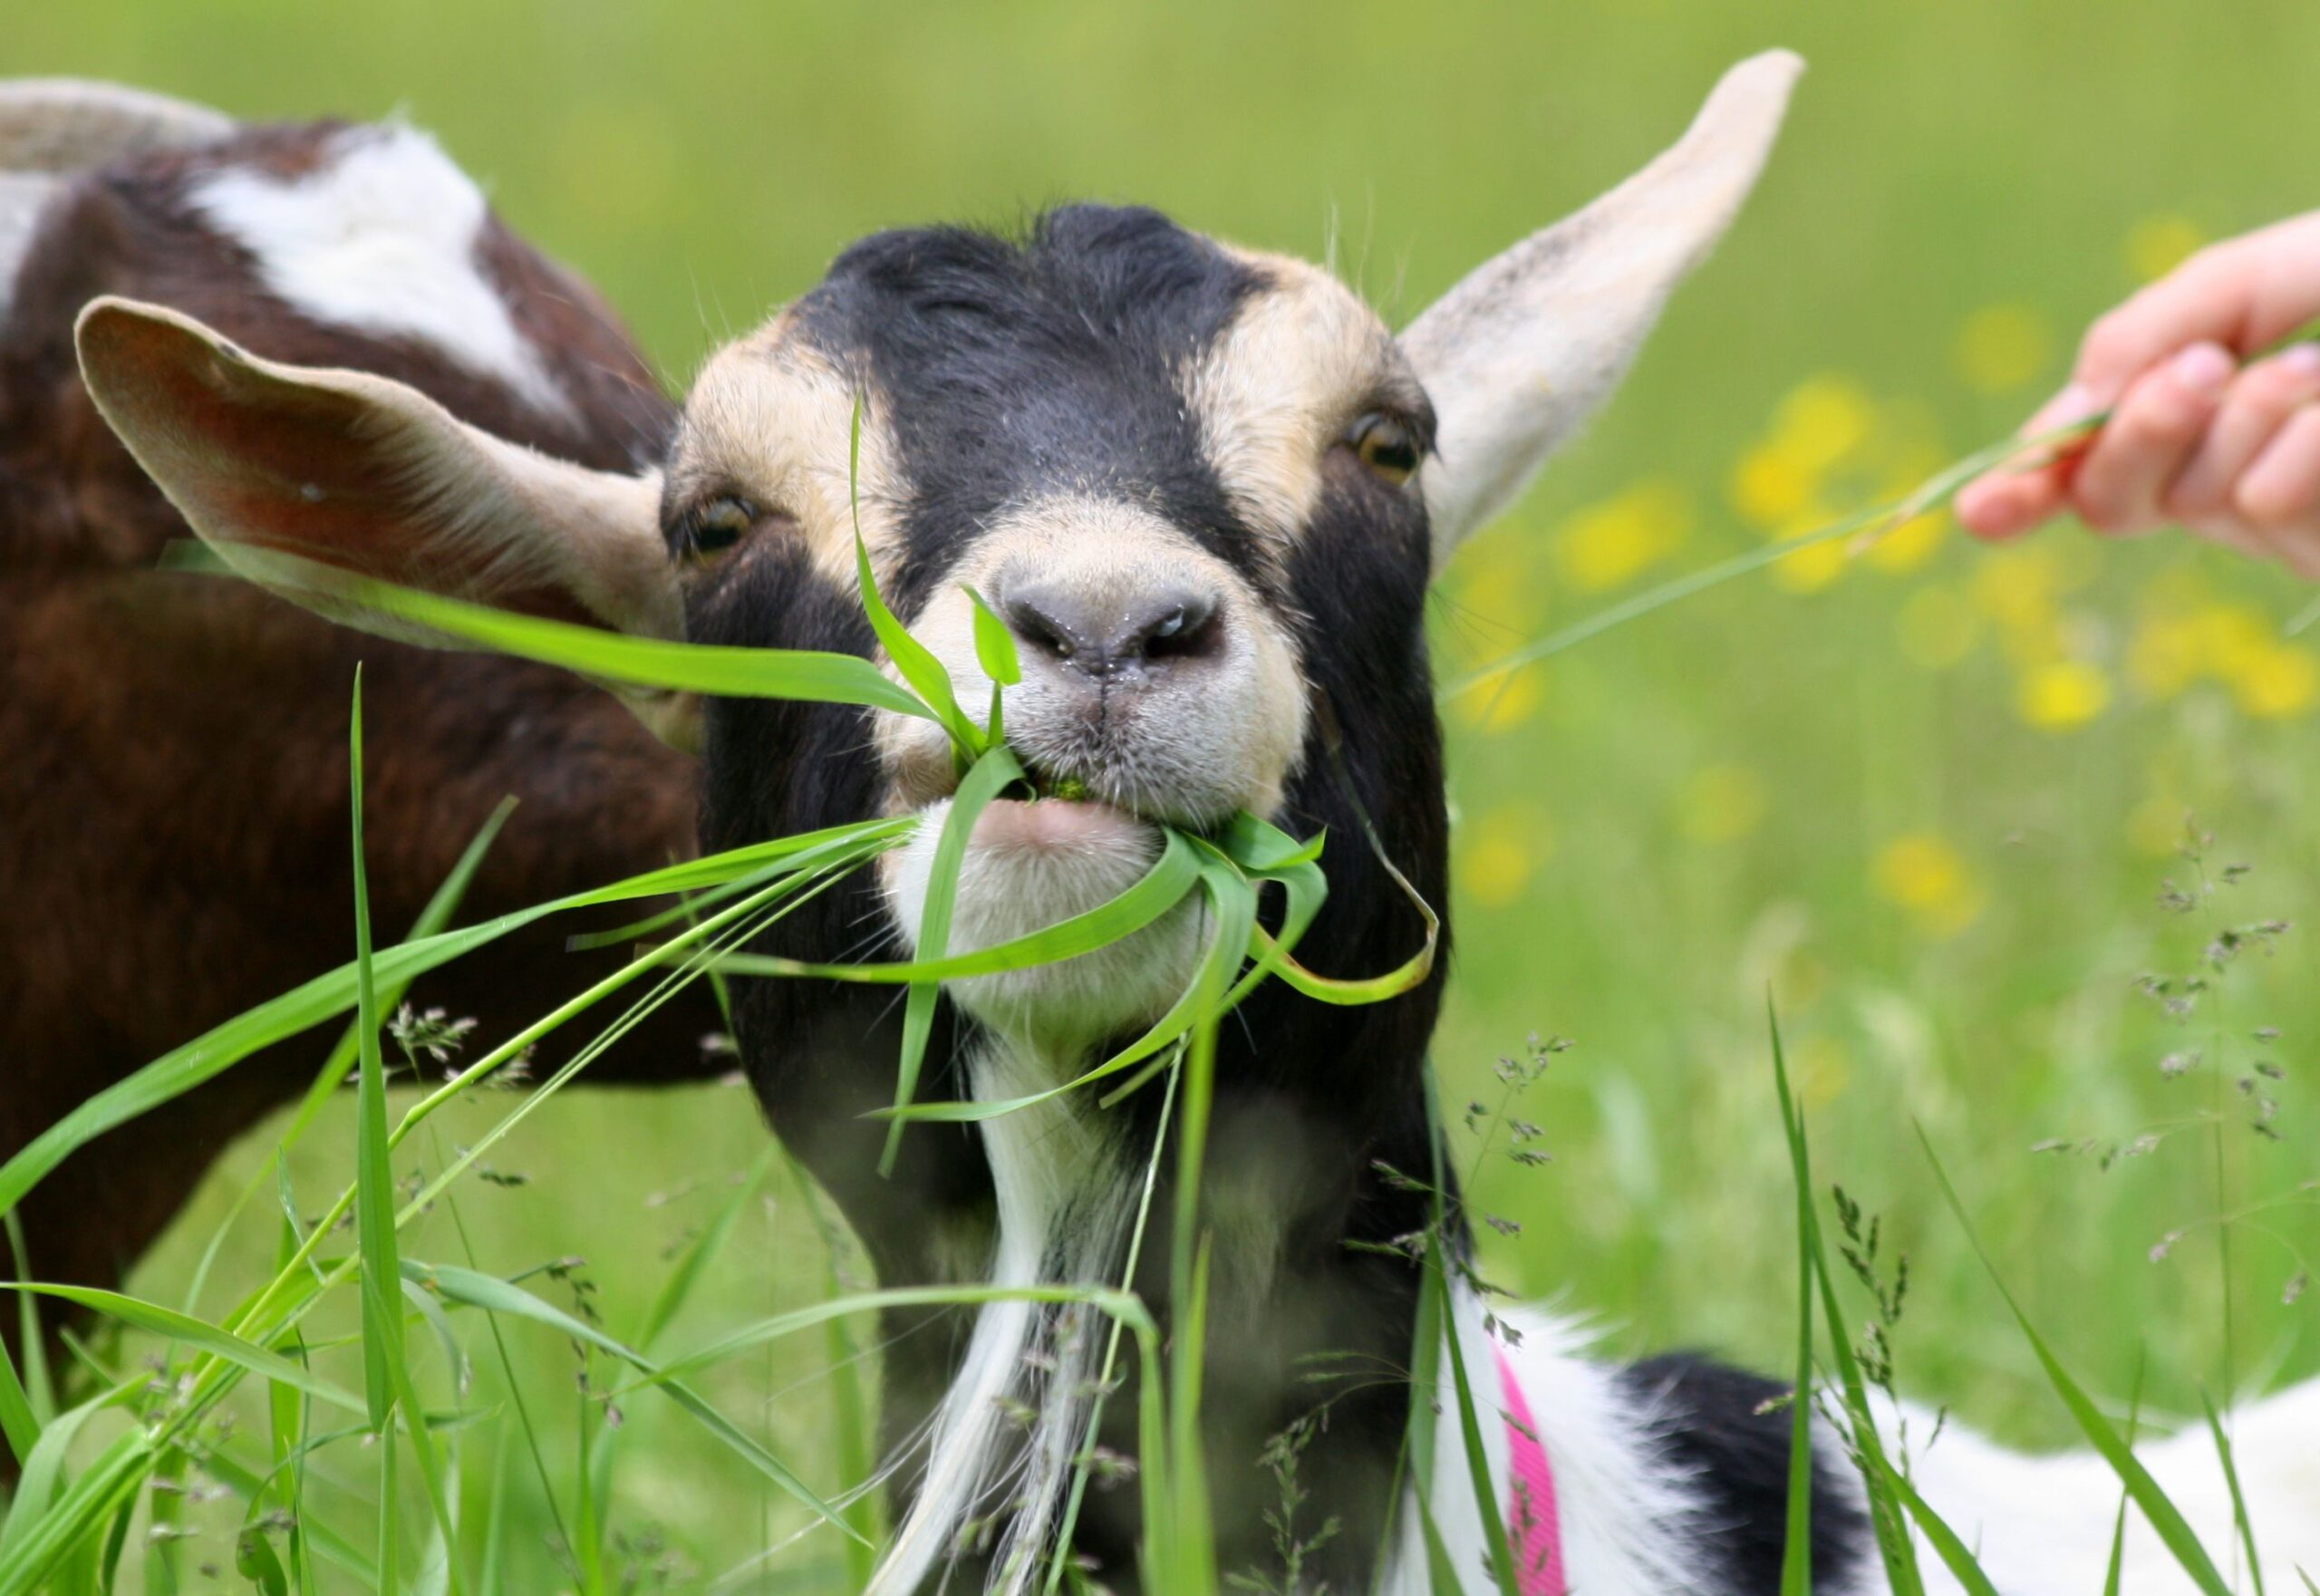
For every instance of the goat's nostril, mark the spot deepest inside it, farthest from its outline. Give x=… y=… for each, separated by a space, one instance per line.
x=1186 y=629
x=1105 y=635
x=1030 y=618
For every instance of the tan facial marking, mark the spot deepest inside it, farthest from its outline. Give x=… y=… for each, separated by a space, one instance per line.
x=1277 y=390
x=771 y=419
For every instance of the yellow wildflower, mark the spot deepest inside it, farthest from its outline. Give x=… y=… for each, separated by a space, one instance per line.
x=1495 y=579
x=2002 y=348
x=1722 y=803
x=2157 y=244
x=1506 y=703
x=1498 y=854
x=1931 y=880
x=1809 y=570
x=1924 y=874
x=2061 y=696
x=2234 y=639
x=1615 y=541
x=1823 y=420
x=2283 y=679
x=1771 y=488
x=1909 y=545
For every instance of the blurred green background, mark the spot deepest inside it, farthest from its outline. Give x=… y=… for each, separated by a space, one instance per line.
x=1927 y=798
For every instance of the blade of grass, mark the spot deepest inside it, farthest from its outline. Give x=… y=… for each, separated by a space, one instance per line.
x=2161 y=1514
x=326 y=996
x=1413 y=1460
x=85 y=1508
x=1060 y=1559
x=913 y=660
x=1470 y=1434
x=168 y=1323
x=390 y=1571
x=797 y=674
x=1796 y=1550
x=1888 y=1516
x=497 y=1296
x=21 y=1425
x=669 y=1300
x=1954 y=1554
x=995 y=653
x=38 y=1385
x=1121 y=1305
x=374 y=1207
x=1154 y=893
x=2239 y=1499
x=433 y=919
x=990 y=773
x=43 y=1467
x=2117 y=1569
x=307 y=1526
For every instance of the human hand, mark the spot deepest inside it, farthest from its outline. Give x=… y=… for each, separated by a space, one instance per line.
x=2232 y=452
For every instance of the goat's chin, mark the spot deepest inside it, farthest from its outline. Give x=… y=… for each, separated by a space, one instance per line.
x=1028 y=866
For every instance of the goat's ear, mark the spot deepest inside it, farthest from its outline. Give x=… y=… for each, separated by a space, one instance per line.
x=373 y=478
x=1522 y=351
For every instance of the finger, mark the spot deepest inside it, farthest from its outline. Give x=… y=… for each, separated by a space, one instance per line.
x=2149 y=439
x=2279 y=495
x=2031 y=489
x=2228 y=531
x=2256 y=407
x=2007 y=504
x=2205 y=300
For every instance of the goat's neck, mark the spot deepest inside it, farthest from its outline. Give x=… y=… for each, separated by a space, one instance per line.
x=1300 y=1321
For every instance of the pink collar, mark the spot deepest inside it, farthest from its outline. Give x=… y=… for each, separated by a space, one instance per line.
x=1534 y=1527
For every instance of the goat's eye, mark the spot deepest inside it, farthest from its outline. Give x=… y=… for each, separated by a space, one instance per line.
x=717 y=526
x=1386 y=446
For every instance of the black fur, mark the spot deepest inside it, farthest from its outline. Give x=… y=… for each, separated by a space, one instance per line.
x=1013 y=369
x=1005 y=370
x=1712 y=1431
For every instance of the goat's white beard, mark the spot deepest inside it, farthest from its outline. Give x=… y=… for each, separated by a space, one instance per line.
x=1066 y=1189
x=1066 y=1180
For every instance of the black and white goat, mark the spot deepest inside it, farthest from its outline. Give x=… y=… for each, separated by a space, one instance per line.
x=1208 y=489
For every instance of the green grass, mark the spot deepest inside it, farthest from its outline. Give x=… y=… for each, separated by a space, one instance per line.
x=702 y=166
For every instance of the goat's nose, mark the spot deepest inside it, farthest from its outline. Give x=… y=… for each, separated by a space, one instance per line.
x=1109 y=635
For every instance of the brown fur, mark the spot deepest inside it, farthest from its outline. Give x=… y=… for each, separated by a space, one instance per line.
x=173 y=782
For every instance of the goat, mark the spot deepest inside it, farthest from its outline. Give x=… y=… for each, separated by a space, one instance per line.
x=173 y=779
x=1207 y=490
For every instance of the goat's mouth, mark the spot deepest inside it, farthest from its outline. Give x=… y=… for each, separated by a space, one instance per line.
x=1048 y=806
x=1044 y=850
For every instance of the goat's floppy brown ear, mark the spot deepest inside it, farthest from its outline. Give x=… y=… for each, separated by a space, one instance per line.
x=373 y=478
x=1522 y=351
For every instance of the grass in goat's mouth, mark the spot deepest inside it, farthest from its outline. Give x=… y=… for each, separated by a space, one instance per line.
x=1038 y=784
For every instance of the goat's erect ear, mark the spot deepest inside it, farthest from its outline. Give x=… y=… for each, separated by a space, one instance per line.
x=1522 y=351
x=372 y=477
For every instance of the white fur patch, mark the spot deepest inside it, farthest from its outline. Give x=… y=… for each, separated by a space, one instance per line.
x=382 y=237
x=1065 y=1199
x=1621 y=1511
x=23 y=198
x=2036 y=1523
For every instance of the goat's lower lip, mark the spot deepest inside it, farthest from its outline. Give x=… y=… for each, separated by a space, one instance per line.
x=1055 y=824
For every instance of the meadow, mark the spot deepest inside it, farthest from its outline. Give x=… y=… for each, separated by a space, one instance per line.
x=1935 y=799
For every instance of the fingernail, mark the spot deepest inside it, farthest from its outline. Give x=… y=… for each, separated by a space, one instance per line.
x=2074 y=404
x=2303 y=359
x=2204 y=368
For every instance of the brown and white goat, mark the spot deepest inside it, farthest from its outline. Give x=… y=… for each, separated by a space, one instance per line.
x=1207 y=488
x=173 y=782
